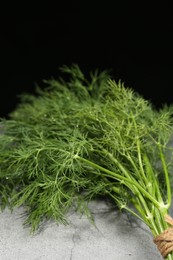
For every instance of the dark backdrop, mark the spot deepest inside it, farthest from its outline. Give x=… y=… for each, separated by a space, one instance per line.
x=134 y=42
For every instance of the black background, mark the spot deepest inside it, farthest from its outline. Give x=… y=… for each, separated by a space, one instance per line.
x=134 y=42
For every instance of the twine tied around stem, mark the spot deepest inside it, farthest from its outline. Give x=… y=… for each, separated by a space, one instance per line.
x=164 y=241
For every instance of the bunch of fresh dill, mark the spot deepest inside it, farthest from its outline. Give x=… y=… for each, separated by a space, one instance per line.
x=78 y=139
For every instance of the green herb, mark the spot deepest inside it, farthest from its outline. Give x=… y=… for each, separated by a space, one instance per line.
x=81 y=138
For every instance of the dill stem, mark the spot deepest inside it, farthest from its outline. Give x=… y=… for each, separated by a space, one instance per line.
x=140 y=162
x=119 y=177
x=166 y=177
x=154 y=189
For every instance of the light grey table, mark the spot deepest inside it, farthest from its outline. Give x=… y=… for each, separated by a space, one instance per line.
x=115 y=236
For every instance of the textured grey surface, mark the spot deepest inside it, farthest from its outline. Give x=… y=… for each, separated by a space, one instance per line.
x=114 y=237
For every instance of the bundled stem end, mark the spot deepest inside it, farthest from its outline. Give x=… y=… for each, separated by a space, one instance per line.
x=164 y=241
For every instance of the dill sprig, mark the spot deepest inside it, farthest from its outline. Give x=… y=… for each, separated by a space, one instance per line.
x=81 y=138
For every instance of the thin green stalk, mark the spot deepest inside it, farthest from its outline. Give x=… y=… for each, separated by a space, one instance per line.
x=145 y=181
x=125 y=179
x=123 y=206
x=169 y=195
x=138 y=202
x=154 y=186
x=140 y=161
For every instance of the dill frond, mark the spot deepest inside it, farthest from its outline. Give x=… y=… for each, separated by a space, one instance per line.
x=82 y=138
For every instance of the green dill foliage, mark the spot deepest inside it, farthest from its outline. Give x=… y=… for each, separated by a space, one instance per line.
x=81 y=138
